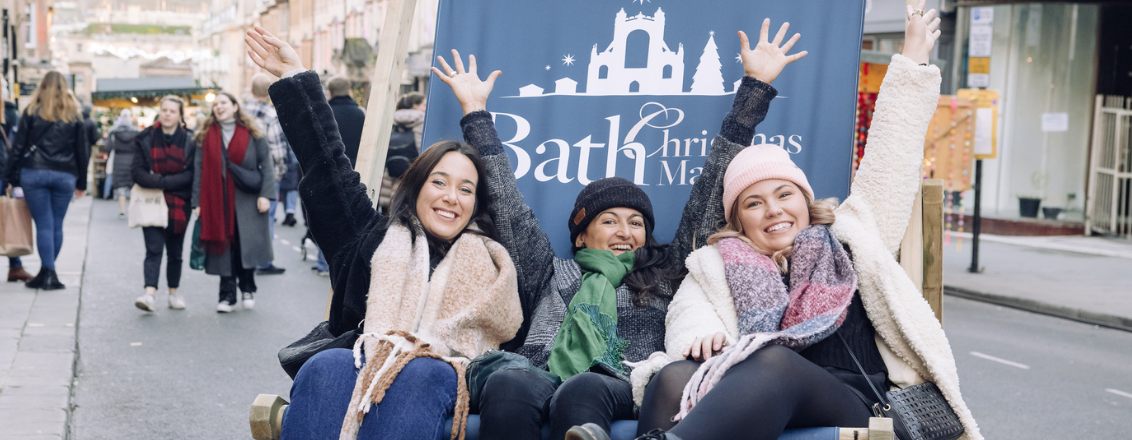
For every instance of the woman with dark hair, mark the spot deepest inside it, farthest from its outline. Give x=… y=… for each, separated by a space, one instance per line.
x=49 y=161
x=232 y=195
x=619 y=275
x=164 y=158
x=421 y=290
x=797 y=312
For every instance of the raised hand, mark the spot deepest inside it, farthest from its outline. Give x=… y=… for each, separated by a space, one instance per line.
x=920 y=32
x=270 y=53
x=466 y=85
x=768 y=58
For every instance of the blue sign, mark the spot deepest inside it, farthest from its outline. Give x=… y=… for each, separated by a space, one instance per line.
x=638 y=89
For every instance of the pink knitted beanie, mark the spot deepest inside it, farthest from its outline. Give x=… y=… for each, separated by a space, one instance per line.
x=757 y=163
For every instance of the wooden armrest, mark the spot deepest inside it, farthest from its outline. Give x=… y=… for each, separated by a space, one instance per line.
x=266 y=417
x=879 y=429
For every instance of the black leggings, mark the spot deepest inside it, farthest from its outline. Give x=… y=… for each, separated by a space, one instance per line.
x=772 y=390
x=158 y=240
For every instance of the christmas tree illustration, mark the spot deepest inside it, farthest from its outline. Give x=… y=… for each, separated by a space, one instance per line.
x=708 y=79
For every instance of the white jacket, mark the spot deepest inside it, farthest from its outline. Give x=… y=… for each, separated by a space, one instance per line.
x=871 y=222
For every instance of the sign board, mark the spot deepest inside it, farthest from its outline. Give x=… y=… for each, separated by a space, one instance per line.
x=638 y=89
x=985 y=139
x=1055 y=122
x=979 y=46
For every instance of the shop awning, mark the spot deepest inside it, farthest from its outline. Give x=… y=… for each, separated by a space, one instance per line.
x=121 y=90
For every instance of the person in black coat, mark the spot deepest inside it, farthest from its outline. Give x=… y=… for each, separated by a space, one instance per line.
x=120 y=144
x=53 y=171
x=93 y=133
x=348 y=115
x=163 y=159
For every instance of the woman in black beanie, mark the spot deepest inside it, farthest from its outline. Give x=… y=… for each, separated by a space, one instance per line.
x=588 y=319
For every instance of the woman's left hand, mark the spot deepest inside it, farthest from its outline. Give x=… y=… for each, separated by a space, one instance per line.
x=262 y=204
x=768 y=58
x=920 y=32
x=467 y=86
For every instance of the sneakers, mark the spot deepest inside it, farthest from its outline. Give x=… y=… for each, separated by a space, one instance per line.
x=176 y=302
x=145 y=302
x=591 y=431
x=224 y=307
x=270 y=270
x=121 y=216
x=249 y=300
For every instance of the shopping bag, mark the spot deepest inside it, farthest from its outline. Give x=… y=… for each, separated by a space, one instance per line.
x=196 y=251
x=15 y=228
x=147 y=207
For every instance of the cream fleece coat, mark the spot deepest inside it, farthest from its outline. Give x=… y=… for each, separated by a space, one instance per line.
x=871 y=222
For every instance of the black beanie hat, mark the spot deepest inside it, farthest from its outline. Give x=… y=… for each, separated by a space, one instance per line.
x=602 y=194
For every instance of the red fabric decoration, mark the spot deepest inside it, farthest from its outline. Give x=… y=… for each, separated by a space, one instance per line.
x=217 y=190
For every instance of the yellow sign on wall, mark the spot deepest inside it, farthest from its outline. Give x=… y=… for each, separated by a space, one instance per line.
x=978 y=65
x=985 y=139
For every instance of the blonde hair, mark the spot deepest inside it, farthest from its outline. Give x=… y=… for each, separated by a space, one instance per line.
x=241 y=117
x=821 y=213
x=52 y=101
x=176 y=100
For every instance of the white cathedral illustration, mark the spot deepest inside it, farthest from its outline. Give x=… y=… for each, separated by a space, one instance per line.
x=610 y=72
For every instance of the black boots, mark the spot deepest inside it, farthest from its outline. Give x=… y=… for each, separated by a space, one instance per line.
x=591 y=431
x=289 y=220
x=46 y=279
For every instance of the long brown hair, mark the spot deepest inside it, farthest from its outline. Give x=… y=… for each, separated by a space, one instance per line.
x=403 y=207
x=242 y=119
x=53 y=101
x=821 y=213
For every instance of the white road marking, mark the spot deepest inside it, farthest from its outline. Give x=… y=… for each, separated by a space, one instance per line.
x=1119 y=393
x=284 y=241
x=1000 y=360
x=135 y=344
x=296 y=248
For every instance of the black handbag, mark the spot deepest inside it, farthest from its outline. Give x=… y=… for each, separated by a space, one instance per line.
x=318 y=340
x=918 y=412
x=495 y=360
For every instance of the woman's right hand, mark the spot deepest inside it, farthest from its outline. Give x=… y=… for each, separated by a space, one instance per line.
x=271 y=53
x=704 y=347
x=768 y=58
x=466 y=86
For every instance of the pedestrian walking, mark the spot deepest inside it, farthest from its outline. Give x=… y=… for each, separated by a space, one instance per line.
x=350 y=118
x=120 y=144
x=164 y=155
x=264 y=115
x=232 y=196
x=797 y=312
x=49 y=161
x=443 y=290
x=404 y=143
x=8 y=120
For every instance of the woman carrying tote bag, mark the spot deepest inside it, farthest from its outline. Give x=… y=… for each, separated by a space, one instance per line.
x=163 y=162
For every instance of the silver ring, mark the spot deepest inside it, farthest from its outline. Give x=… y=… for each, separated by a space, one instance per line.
x=451 y=73
x=919 y=12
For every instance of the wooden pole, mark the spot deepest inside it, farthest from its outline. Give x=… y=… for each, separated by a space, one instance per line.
x=933 y=245
x=384 y=85
x=911 y=247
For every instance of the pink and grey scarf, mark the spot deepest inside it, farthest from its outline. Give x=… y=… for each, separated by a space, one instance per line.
x=822 y=282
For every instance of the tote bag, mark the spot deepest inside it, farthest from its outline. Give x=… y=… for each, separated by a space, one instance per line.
x=147 y=207
x=15 y=228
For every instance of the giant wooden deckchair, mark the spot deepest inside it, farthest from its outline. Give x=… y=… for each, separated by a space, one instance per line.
x=921 y=252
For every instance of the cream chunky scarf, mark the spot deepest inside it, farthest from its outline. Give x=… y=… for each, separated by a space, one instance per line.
x=470 y=305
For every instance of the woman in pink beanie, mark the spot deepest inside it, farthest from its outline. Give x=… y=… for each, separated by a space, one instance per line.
x=790 y=319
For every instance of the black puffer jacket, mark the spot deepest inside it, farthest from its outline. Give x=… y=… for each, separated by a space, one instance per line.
x=59 y=146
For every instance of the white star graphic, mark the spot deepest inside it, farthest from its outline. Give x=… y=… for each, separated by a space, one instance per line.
x=568 y=60
x=642 y=1
x=711 y=33
x=548 y=67
x=738 y=58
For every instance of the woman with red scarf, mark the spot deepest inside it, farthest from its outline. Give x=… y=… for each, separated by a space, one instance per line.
x=163 y=159
x=233 y=193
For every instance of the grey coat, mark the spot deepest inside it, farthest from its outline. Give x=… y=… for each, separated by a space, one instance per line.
x=251 y=225
x=547 y=283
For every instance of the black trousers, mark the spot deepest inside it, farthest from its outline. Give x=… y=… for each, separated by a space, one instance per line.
x=515 y=403
x=784 y=390
x=241 y=277
x=156 y=240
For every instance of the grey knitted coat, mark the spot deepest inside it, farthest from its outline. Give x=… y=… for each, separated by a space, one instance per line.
x=548 y=283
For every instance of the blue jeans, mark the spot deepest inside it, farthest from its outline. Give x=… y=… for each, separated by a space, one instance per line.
x=106 y=187
x=415 y=406
x=323 y=266
x=48 y=194
x=290 y=201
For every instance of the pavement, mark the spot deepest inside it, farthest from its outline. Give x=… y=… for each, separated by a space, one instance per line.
x=1084 y=279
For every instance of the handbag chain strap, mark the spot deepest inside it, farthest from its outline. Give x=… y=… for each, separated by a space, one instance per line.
x=880 y=397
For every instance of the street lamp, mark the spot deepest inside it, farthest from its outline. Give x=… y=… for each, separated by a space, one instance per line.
x=134 y=99
x=209 y=97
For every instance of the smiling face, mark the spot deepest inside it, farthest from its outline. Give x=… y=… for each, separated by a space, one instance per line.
x=615 y=229
x=223 y=107
x=170 y=115
x=772 y=212
x=447 y=200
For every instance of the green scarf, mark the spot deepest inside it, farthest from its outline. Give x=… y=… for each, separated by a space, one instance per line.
x=588 y=335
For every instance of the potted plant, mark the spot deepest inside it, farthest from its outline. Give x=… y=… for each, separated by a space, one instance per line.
x=1028 y=206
